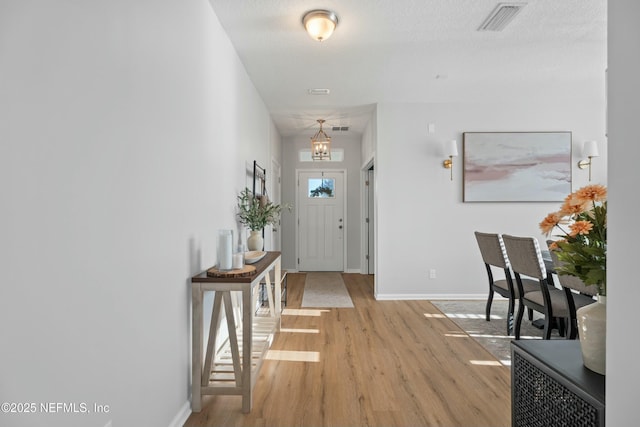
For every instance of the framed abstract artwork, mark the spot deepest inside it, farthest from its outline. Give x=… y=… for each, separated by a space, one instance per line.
x=516 y=166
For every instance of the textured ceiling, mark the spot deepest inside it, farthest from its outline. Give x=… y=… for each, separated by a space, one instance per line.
x=411 y=51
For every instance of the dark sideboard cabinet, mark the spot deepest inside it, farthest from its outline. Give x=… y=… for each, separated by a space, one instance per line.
x=551 y=387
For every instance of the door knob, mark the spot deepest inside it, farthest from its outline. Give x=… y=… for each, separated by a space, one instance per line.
x=340 y=227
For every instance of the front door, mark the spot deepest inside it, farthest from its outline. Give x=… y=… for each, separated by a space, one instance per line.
x=321 y=222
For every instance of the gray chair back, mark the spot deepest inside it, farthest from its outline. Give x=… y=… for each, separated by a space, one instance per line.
x=492 y=249
x=571 y=282
x=525 y=256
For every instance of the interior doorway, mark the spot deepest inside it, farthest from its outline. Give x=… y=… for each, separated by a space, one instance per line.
x=370 y=221
x=276 y=198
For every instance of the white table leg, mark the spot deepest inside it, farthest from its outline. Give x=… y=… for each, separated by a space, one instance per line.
x=278 y=292
x=196 y=350
x=233 y=338
x=213 y=334
x=247 y=340
x=267 y=289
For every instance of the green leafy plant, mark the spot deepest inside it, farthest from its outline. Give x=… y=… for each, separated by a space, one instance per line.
x=582 y=219
x=322 y=190
x=256 y=212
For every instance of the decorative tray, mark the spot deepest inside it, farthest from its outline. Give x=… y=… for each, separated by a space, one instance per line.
x=246 y=271
x=252 y=257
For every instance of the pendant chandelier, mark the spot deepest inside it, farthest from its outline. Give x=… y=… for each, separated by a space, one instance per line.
x=321 y=144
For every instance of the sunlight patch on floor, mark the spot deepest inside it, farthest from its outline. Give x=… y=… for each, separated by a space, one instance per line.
x=303 y=312
x=435 y=315
x=300 y=331
x=509 y=337
x=456 y=335
x=293 y=356
x=472 y=316
x=485 y=362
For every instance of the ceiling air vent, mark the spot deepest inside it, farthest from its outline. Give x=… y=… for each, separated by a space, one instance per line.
x=340 y=128
x=501 y=16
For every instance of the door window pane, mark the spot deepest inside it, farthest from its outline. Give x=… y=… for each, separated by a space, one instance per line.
x=321 y=187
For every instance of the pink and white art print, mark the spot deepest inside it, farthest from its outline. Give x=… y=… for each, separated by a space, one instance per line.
x=517 y=166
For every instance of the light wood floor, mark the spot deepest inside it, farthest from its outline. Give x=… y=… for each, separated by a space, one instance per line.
x=382 y=363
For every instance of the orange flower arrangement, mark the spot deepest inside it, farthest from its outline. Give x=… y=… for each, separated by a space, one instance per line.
x=582 y=247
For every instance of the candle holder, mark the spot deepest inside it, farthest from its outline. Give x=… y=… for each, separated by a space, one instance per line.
x=238 y=258
x=224 y=249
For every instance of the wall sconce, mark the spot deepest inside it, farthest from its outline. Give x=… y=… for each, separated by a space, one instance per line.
x=589 y=150
x=450 y=149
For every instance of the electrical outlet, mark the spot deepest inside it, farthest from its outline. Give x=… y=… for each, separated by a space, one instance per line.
x=432 y=273
x=431 y=128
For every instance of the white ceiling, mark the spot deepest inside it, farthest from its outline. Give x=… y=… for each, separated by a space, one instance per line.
x=411 y=51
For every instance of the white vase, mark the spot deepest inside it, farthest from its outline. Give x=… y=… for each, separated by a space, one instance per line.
x=592 y=331
x=255 y=242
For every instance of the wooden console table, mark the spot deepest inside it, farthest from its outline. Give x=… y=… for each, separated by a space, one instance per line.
x=233 y=367
x=551 y=387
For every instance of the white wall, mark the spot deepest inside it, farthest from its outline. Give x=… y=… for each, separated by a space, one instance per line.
x=623 y=292
x=125 y=128
x=290 y=163
x=421 y=221
x=369 y=138
x=272 y=180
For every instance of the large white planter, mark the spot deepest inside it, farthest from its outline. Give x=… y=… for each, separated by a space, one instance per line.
x=255 y=242
x=592 y=330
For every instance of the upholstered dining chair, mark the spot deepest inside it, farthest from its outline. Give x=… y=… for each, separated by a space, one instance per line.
x=526 y=260
x=578 y=294
x=495 y=257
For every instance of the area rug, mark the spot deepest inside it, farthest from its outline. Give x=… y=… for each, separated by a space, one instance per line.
x=469 y=315
x=325 y=289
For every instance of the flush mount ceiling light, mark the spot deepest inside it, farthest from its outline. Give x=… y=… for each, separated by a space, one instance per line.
x=320 y=23
x=320 y=145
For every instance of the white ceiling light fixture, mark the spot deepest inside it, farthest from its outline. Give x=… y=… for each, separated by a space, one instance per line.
x=320 y=145
x=320 y=23
x=502 y=15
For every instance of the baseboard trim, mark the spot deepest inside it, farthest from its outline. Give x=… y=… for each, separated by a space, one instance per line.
x=182 y=415
x=349 y=270
x=402 y=297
